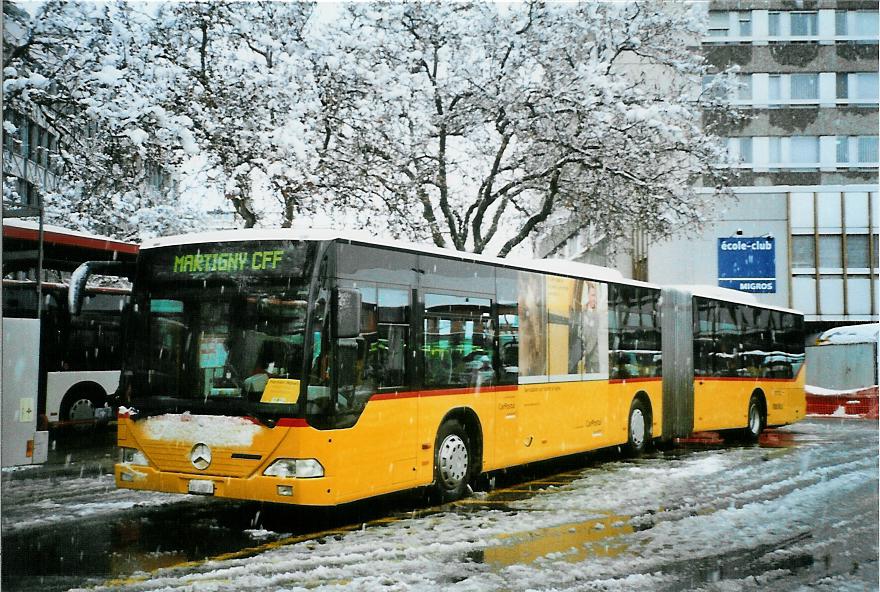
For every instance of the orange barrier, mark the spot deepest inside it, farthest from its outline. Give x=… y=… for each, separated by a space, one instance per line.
x=864 y=403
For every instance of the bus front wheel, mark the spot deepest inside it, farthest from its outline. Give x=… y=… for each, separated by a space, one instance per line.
x=452 y=461
x=638 y=428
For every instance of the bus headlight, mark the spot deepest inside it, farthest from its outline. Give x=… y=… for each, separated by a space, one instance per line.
x=301 y=468
x=132 y=456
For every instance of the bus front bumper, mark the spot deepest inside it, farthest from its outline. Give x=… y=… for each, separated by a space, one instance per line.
x=308 y=492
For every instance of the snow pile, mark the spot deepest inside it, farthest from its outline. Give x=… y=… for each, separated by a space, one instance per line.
x=825 y=392
x=213 y=430
x=869 y=333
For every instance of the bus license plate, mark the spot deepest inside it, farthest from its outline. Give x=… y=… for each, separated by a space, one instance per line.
x=202 y=487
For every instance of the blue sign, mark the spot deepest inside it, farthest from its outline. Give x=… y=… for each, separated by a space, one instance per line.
x=747 y=264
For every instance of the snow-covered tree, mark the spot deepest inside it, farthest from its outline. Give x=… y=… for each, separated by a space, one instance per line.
x=479 y=124
x=471 y=125
x=244 y=81
x=88 y=72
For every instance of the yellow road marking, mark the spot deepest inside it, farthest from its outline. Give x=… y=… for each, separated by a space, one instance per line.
x=317 y=535
x=248 y=551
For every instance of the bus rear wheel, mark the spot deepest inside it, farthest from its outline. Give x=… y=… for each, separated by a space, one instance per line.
x=756 y=421
x=638 y=428
x=453 y=461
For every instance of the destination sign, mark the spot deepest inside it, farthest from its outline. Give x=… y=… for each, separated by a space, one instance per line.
x=230 y=261
x=257 y=258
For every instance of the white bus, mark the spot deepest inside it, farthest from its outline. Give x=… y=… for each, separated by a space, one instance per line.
x=78 y=355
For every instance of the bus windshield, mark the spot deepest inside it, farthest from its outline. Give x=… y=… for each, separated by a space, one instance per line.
x=219 y=325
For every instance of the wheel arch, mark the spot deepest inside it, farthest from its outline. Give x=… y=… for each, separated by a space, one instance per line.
x=762 y=401
x=88 y=389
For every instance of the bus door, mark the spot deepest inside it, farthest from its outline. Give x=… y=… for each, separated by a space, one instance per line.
x=375 y=407
x=458 y=347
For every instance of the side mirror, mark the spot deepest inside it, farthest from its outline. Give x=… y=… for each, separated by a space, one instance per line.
x=75 y=294
x=348 y=313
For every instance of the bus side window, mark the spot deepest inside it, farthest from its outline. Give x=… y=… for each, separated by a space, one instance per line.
x=378 y=354
x=459 y=337
x=507 y=323
x=704 y=336
x=393 y=333
x=318 y=395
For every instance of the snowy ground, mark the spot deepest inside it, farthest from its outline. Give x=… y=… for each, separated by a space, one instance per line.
x=802 y=515
x=43 y=502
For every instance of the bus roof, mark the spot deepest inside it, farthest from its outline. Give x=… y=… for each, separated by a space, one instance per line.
x=728 y=295
x=30 y=231
x=555 y=266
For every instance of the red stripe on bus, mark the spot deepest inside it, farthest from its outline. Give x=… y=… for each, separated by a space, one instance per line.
x=441 y=392
x=289 y=422
x=71 y=240
x=742 y=379
x=627 y=380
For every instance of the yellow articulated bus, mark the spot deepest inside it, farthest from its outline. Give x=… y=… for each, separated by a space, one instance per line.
x=320 y=368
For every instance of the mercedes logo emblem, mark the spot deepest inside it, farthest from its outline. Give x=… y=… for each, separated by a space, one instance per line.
x=200 y=456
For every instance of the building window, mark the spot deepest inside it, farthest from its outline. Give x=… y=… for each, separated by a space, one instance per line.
x=23 y=137
x=775 y=150
x=34 y=141
x=773 y=28
x=830 y=253
x=711 y=92
x=842 y=85
x=842 y=149
x=858 y=87
x=744 y=90
x=804 y=150
x=867 y=149
x=860 y=150
x=44 y=148
x=719 y=23
x=804 y=24
x=840 y=23
x=774 y=88
x=859 y=24
x=9 y=119
x=745 y=24
x=54 y=158
x=857 y=254
x=803 y=251
x=745 y=150
x=740 y=150
x=27 y=192
x=865 y=86
x=865 y=24
x=804 y=86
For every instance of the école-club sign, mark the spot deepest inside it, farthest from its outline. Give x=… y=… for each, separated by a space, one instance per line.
x=747 y=264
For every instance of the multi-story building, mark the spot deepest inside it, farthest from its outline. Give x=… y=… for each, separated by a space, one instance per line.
x=30 y=156
x=808 y=160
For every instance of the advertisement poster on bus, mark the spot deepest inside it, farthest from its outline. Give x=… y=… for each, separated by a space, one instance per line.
x=564 y=324
x=747 y=264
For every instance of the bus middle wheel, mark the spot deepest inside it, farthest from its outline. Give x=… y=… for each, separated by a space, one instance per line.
x=638 y=428
x=452 y=461
x=756 y=420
